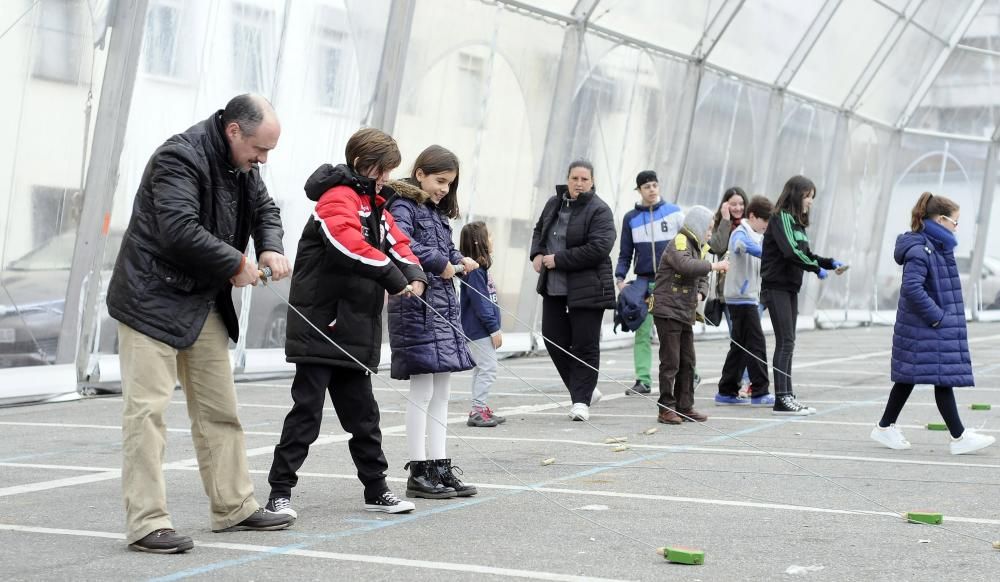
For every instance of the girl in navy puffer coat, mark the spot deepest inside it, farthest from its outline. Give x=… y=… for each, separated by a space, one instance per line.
x=930 y=342
x=425 y=333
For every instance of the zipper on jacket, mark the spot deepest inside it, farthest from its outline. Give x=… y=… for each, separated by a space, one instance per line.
x=652 y=241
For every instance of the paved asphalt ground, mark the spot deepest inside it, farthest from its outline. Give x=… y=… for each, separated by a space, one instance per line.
x=757 y=493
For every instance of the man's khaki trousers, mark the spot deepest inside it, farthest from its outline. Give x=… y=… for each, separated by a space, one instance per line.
x=149 y=371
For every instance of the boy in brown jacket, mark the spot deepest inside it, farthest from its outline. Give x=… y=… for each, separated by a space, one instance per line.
x=681 y=282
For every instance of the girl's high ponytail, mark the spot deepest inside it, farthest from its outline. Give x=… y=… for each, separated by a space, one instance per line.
x=920 y=212
x=929 y=206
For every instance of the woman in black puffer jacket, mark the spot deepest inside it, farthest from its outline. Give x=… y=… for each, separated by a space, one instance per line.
x=570 y=250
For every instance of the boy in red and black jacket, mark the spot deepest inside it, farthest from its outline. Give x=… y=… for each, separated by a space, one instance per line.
x=351 y=253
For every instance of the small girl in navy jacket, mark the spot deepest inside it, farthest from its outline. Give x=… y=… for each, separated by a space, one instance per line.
x=481 y=321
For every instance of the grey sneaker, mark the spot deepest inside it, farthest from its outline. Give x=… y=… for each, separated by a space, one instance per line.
x=495 y=416
x=480 y=417
x=639 y=387
x=261 y=520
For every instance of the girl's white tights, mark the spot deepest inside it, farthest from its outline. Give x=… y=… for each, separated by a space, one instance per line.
x=427 y=392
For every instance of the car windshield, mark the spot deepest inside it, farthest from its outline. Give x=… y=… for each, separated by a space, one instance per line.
x=54 y=255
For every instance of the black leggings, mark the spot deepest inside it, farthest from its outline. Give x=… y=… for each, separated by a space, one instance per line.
x=783 y=306
x=943 y=395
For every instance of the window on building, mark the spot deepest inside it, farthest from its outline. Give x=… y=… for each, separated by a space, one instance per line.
x=159 y=55
x=252 y=48
x=59 y=42
x=471 y=71
x=331 y=75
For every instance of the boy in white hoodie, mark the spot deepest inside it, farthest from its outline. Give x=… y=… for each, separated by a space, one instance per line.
x=742 y=293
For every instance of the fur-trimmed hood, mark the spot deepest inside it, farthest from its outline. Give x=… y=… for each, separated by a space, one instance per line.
x=408 y=189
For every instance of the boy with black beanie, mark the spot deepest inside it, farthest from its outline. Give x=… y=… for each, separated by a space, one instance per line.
x=646 y=230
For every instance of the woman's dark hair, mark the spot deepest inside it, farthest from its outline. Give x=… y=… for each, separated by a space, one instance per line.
x=734 y=191
x=372 y=149
x=438 y=160
x=791 y=197
x=581 y=163
x=474 y=242
x=929 y=206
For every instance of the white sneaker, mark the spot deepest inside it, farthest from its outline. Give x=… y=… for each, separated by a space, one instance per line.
x=579 y=411
x=970 y=441
x=595 y=397
x=890 y=436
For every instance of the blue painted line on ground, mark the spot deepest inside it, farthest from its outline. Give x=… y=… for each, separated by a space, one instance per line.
x=227 y=563
x=314 y=539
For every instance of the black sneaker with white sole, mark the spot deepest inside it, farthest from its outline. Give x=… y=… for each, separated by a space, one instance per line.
x=787 y=405
x=163 y=541
x=387 y=502
x=281 y=505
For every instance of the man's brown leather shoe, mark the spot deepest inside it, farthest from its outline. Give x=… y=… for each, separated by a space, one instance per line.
x=692 y=416
x=668 y=417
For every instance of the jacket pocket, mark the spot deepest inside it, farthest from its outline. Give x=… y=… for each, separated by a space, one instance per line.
x=172 y=276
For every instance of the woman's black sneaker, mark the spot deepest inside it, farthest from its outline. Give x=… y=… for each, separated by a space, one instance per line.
x=638 y=388
x=787 y=405
x=163 y=541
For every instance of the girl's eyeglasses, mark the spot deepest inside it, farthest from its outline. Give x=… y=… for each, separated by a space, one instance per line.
x=950 y=219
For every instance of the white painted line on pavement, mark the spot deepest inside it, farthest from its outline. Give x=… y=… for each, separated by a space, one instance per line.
x=337 y=556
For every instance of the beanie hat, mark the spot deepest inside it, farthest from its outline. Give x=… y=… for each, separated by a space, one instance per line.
x=643 y=177
x=697 y=220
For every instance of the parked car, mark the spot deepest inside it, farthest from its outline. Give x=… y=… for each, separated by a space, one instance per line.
x=989 y=283
x=268 y=314
x=33 y=298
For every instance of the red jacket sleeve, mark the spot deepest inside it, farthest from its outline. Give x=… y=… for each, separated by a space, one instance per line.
x=338 y=215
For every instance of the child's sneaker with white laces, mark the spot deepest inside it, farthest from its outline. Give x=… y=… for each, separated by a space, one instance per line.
x=387 y=502
x=970 y=442
x=282 y=505
x=787 y=405
x=890 y=436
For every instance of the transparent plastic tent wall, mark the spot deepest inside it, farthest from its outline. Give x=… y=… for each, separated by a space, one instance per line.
x=875 y=100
